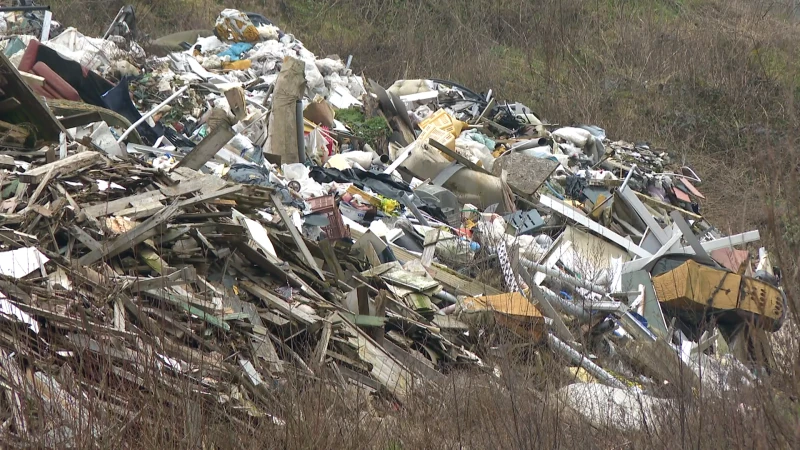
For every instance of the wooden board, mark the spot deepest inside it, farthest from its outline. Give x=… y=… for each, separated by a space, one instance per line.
x=525 y=173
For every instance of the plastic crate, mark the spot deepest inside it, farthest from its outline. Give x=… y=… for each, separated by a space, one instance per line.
x=525 y=222
x=327 y=205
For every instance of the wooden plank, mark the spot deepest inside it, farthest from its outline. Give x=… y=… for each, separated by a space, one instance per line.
x=62 y=167
x=322 y=346
x=423 y=368
x=298 y=239
x=31 y=79
x=85 y=238
x=13 y=133
x=81 y=119
x=131 y=238
x=8 y=105
x=459 y=283
x=576 y=216
x=192 y=186
x=359 y=378
x=281 y=305
x=33 y=110
x=210 y=196
x=163 y=294
x=386 y=369
x=461 y=160
x=115 y=206
x=260 y=343
x=180 y=277
x=329 y=254
x=36 y=193
x=429 y=247
x=208 y=147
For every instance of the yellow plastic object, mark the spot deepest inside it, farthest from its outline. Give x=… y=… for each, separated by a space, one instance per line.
x=694 y=287
x=242 y=64
x=389 y=206
x=374 y=201
x=582 y=375
x=442 y=120
x=440 y=136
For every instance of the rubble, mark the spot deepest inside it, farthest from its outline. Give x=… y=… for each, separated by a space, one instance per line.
x=222 y=222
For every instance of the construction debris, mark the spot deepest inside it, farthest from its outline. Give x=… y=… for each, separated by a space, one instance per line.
x=225 y=228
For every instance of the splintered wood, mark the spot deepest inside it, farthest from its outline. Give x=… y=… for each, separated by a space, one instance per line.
x=160 y=279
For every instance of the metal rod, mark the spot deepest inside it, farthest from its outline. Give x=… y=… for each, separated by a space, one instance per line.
x=24 y=8
x=630 y=172
x=151 y=112
x=113 y=22
x=409 y=202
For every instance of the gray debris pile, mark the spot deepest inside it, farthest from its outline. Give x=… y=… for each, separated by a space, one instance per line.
x=240 y=207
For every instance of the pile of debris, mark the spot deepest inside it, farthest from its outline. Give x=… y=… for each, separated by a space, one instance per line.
x=240 y=207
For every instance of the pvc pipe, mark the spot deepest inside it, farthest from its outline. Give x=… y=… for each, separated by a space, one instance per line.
x=446 y=297
x=572 y=281
x=598 y=372
x=48 y=17
x=151 y=112
x=630 y=173
x=301 y=143
x=566 y=306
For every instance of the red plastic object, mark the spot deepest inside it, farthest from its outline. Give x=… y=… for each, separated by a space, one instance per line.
x=29 y=57
x=55 y=83
x=327 y=205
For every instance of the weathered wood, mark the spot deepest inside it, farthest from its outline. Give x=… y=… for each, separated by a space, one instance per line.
x=208 y=147
x=298 y=239
x=80 y=119
x=85 y=238
x=9 y=104
x=131 y=238
x=281 y=305
x=180 y=302
x=62 y=167
x=31 y=79
x=322 y=346
x=13 y=133
x=33 y=109
x=115 y=206
x=180 y=277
